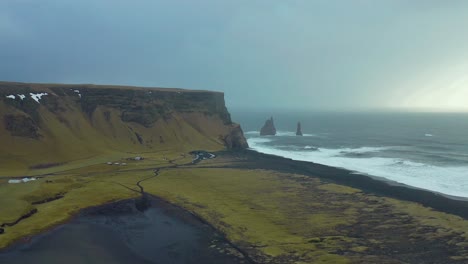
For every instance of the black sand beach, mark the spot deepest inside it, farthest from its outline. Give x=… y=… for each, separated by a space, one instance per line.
x=249 y=159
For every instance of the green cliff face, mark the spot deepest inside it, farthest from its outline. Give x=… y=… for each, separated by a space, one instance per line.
x=58 y=123
x=141 y=105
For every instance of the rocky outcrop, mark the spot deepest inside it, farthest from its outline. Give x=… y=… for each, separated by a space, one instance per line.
x=21 y=126
x=299 y=129
x=235 y=139
x=268 y=128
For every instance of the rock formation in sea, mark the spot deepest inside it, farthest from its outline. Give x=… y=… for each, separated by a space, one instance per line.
x=299 y=130
x=268 y=128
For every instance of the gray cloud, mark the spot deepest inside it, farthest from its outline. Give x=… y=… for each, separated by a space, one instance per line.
x=263 y=54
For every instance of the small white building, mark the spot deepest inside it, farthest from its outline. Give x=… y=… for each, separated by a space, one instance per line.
x=15 y=181
x=24 y=180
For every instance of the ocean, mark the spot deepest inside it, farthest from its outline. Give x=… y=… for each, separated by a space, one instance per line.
x=422 y=150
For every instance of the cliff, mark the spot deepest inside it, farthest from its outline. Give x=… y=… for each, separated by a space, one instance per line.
x=46 y=124
x=268 y=128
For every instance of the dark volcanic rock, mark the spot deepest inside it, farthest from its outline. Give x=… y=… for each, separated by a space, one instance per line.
x=146 y=106
x=235 y=139
x=268 y=129
x=21 y=126
x=299 y=130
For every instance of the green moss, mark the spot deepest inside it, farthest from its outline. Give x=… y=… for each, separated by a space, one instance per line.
x=276 y=217
x=249 y=206
x=331 y=258
x=79 y=195
x=445 y=224
x=13 y=209
x=287 y=216
x=359 y=249
x=338 y=188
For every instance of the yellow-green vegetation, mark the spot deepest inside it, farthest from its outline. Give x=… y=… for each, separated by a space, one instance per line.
x=274 y=217
x=80 y=193
x=91 y=183
x=67 y=131
x=273 y=213
x=286 y=218
x=69 y=147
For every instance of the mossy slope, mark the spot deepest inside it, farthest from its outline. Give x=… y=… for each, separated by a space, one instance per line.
x=85 y=122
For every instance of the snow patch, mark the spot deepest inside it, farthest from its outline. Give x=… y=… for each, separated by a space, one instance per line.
x=10 y=96
x=22 y=96
x=78 y=92
x=37 y=97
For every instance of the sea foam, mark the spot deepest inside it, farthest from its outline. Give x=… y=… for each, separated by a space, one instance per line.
x=447 y=180
x=280 y=134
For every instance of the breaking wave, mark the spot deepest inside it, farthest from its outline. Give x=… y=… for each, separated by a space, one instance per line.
x=450 y=180
x=279 y=134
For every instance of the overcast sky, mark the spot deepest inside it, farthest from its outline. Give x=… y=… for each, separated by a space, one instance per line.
x=327 y=55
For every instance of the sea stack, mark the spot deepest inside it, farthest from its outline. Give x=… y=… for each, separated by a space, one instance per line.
x=268 y=129
x=298 y=131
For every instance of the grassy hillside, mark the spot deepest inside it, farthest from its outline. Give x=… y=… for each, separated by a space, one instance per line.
x=75 y=123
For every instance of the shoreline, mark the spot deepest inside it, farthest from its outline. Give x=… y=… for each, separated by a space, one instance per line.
x=380 y=178
x=366 y=183
x=252 y=160
x=395 y=183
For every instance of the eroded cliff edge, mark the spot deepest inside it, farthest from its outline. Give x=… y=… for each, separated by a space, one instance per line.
x=44 y=124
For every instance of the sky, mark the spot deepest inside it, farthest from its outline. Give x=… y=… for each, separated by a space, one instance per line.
x=288 y=54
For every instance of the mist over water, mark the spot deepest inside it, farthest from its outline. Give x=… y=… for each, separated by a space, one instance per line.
x=423 y=150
